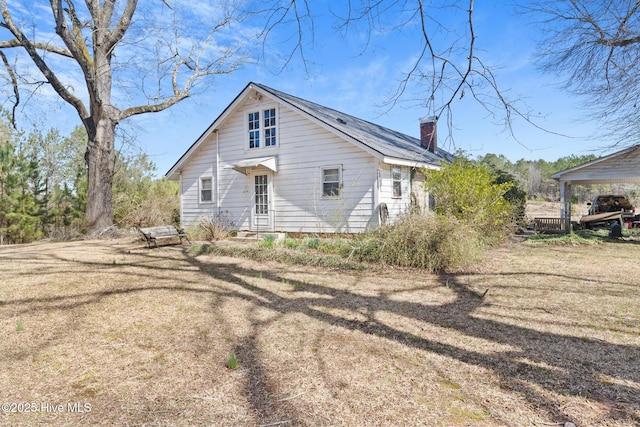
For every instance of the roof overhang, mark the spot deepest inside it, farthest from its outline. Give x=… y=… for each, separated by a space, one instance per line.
x=411 y=163
x=619 y=167
x=247 y=165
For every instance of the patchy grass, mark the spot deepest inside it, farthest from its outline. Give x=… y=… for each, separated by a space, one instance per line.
x=538 y=335
x=267 y=252
x=581 y=237
x=430 y=243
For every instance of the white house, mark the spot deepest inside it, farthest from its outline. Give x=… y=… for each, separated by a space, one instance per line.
x=275 y=162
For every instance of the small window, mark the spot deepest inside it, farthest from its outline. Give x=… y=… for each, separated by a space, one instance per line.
x=206 y=190
x=396 y=178
x=331 y=182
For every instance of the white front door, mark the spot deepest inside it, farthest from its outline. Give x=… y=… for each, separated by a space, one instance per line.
x=262 y=211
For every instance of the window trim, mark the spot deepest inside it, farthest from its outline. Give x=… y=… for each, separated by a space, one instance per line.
x=251 y=120
x=323 y=169
x=262 y=129
x=273 y=137
x=395 y=181
x=201 y=189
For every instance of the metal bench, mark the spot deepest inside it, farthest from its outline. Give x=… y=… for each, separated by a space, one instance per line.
x=153 y=234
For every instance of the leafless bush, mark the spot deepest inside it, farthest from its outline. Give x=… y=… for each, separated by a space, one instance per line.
x=430 y=242
x=216 y=227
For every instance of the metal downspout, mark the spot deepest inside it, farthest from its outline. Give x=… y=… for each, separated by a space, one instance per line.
x=217 y=170
x=181 y=200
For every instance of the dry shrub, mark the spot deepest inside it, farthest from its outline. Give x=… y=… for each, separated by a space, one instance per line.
x=214 y=227
x=433 y=243
x=151 y=203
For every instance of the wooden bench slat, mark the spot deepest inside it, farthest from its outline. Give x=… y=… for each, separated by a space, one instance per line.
x=152 y=234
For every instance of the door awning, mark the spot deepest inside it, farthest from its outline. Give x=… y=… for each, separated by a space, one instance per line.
x=246 y=165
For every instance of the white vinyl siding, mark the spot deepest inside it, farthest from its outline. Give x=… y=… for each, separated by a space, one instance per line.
x=619 y=168
x=394 y=180
x=201 y=165
x=303 y=150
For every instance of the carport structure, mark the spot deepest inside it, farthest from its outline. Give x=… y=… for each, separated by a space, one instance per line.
x=620 y=167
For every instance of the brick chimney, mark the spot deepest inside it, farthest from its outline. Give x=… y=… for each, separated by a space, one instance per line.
x=428 y=136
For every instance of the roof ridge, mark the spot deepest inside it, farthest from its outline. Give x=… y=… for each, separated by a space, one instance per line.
x=270 y=89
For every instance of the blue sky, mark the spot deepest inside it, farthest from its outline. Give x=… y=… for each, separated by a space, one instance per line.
x=343 y=76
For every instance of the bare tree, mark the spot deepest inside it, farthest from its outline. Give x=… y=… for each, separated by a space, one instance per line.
x=102 y=41
x=593 y=47
x=139 y=46
x=446 y=65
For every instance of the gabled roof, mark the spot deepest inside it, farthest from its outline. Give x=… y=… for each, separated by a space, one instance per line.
x=386 y=144
x=619 y=167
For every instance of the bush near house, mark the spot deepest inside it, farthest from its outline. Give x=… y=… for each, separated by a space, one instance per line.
x=433 y=243
x=474 y=195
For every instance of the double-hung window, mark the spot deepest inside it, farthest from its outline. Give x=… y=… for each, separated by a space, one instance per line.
x=206 y=190
x=254 y=129
x=331 y=181
x=270 y=127
x=396 y=179
x=262 y=128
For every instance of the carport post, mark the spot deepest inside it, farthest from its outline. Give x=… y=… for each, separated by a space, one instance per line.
x=565 y=205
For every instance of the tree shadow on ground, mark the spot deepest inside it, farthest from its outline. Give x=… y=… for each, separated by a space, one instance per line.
x=535 y=369
x=554 y=363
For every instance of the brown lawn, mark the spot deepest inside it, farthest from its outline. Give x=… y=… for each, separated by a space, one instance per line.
x=112 y=333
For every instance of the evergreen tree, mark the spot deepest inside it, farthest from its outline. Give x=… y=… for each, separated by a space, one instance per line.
x=20 y=191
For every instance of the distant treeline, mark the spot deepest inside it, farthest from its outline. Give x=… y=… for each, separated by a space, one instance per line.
x=534 y=176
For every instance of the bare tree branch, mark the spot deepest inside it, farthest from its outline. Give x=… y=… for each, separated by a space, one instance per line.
x=594 y=49
x=123 y=24
x=200 y=68
x=40 y=46
x=40 y=63
x=279 y=14
x=444 y=72
x=90 y=42
x=14 y=84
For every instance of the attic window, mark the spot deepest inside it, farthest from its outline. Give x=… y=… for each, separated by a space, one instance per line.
x=262 y=128
x=341 y=121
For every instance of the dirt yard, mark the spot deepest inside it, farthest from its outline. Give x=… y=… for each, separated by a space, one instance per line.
x=112 y=333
